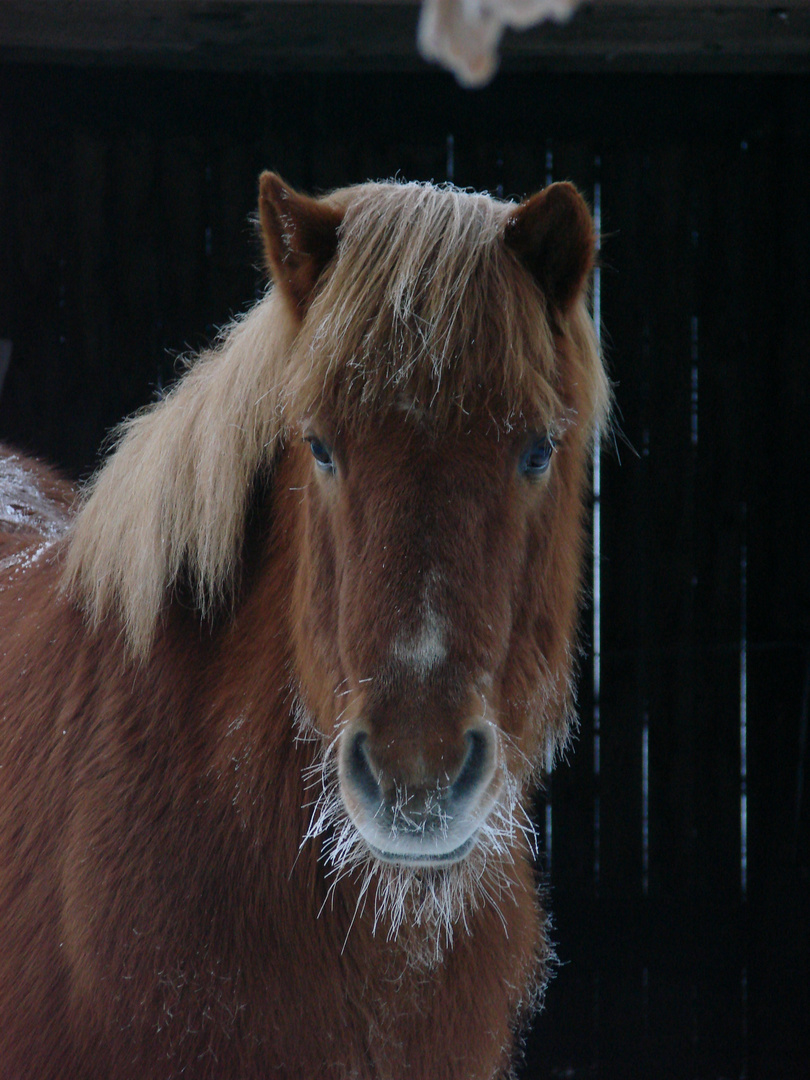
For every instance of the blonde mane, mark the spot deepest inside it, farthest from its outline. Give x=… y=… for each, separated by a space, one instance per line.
x=423 y=299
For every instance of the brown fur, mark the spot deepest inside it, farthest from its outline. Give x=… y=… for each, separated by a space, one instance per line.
x=183 y=891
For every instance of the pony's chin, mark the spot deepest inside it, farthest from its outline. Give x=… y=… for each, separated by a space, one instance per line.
x=415 y=859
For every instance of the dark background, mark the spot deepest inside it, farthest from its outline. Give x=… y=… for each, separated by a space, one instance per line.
x=125 y=197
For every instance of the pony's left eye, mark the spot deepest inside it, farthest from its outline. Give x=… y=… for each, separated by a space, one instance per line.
x=536 y=457
x=322 y=454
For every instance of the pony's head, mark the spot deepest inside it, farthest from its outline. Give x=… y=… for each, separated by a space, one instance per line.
x=424 y=377
x=446 y=390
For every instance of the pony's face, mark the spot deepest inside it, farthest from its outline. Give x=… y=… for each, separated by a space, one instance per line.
x=419 y=610
x=438 y=455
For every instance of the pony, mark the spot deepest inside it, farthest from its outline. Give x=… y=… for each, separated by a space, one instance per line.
x=277 y=687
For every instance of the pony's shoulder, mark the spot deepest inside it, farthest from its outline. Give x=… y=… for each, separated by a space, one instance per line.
x=35 y=502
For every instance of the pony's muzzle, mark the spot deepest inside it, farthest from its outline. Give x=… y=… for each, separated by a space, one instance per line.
x=432 y=820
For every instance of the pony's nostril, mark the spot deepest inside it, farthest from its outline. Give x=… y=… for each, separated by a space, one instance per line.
x=474 y=765
x=360 y=770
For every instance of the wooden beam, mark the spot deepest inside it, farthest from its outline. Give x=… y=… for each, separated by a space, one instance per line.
x=359 y=35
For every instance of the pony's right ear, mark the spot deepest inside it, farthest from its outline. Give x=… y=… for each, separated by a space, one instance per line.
x=300 y=236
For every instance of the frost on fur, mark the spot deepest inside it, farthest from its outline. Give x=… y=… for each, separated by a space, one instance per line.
x=404 y=898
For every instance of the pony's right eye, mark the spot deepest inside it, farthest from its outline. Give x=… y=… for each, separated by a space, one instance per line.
x=322 y=455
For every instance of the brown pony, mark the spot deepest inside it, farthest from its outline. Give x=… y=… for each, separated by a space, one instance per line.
x=275 y=696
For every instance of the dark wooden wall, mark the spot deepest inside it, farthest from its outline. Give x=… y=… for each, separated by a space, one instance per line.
x=124 y=206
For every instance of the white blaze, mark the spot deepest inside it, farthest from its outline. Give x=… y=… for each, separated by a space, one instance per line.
x=425 y=649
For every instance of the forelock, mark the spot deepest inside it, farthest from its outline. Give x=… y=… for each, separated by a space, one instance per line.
x=424 y=301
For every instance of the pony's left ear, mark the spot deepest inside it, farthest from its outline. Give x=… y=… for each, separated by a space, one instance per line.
x=554 y=236
x=300 y=237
